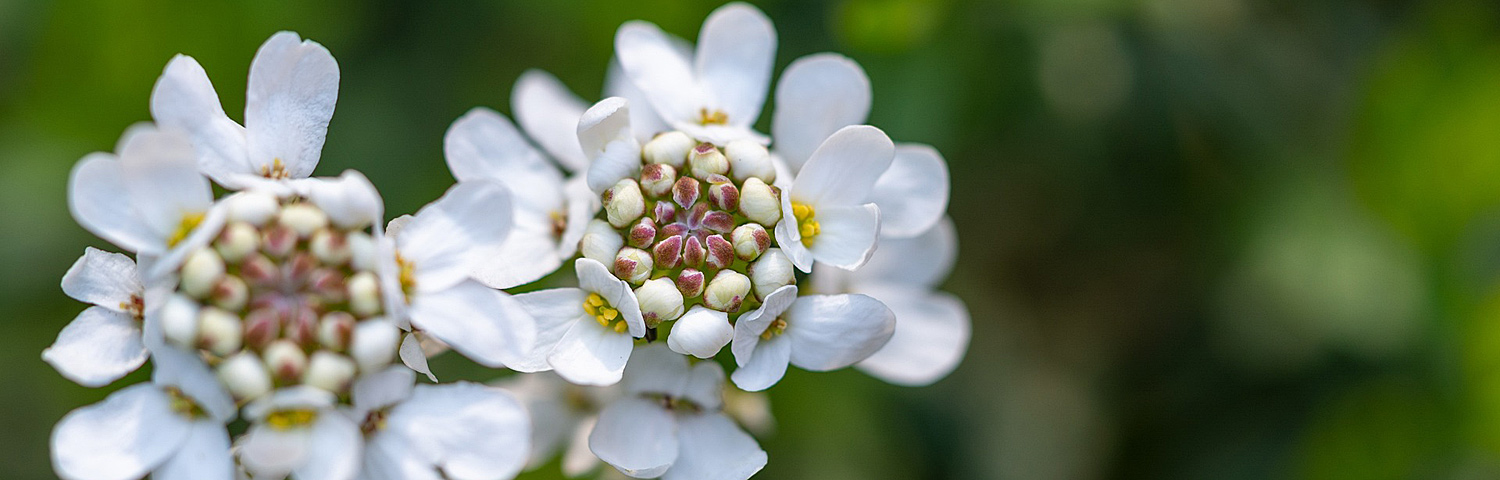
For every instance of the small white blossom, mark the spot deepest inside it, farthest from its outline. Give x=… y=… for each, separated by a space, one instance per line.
x=459 y=430
x=585 y=334
x=825 y=214
x=103 y=343
x=297 y=432
x=815 y=332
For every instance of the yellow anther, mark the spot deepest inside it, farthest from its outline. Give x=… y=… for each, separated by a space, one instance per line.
x=289 y=419
x=806 y=225
x=189 y=222
x=601 y=320
x=620 y=327
x=594 y=299
x=802 y=211
x=276 y=170
x=407 y=274
x=609 y=313
x=714 y=117
x=590 y=309
x=608 y=316
x=775 y=328
x=808 y=229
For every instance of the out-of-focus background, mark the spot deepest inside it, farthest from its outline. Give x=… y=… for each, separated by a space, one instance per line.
x=1200 y=238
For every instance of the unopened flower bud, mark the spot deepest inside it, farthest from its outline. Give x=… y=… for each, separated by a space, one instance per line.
x=660 y=301
x=720 y=251
x=219 y=331
x=772 y=271
x=258 y=269
x=374 y=344
x=668 y=252
x=706 y=160
x=669 y=148
x=726 y=291
x=330 y=247
x=759 y=202
x=285 y=360
x=600 y=242
x=643 y=233
x=362 y=251
x=685 y=192
x=262 y=326
x=237 y=240
x=201 y=271
x=623 y=203
x=750 y=240
x=335 y=330
x=719 y=221
x=328 y=284
x=301 y=325
x=230 y=293
x=302 y=218
x=364 y=294
x=179 y=320
x=633 y=265
x=724 y=195
x=245 y=376
x=657 y=180
x=664 y=212
x=690 y=282
x=255 y=208
x=278 y=240
x=300 y=265
x=749 y=159
x=701 y=333
x=329 y=371
x=693 y=252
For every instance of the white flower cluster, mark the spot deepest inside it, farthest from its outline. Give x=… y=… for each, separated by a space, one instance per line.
x=286 y=304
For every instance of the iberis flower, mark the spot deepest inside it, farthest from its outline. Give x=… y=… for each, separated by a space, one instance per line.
x=104 y=342
x=562 y=417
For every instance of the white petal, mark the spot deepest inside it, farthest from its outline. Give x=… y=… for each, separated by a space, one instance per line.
x=486 y=325
x=97 y=347
x=594 y=277
x=382 y=389
x=267 y=452
x=388 y=457
x=469 y=431
x=555 y=311
x=605 y=135
x=847 y=235
x=817 y=95
x=299 y=397
x=204 y=456
x=578 y=459
x=188 y=372
x=704 y=386
x=924 y=260
x=582 y=204
x=447 y=237
x=701 y=332
x=528 y=254
x=635 y=436
x=643 y=119
x=660 y=69
x=913 y=193
x=749 y=327
x=162 y=179
x=549 y=113
x=184 y=99
x=123 y=437
x=413 y=356
x=96 y=188
x=590 y=354
x=714 y=448
x=289 y=100
x=350 y=201
x=333 y=450
x=655 y=369
x=735 y=51
x=551 y=420
x=764 y=366
x=843 y=170
x=483 y=145
x=829 y=332
x=103 y=278
x=932 y=334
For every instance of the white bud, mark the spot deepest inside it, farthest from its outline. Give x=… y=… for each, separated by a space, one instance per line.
x=219 y=331
x=231 y=293
x=660 y=301
x=374 y=344
x=749 y=159
x=759 y=202
x=303 y=218
x=329 y=371
x=245 y=376
x=285 y=359
x=364 y=294
x=669 y=148
x=236 y=241
x=330 y=247
x=201 y=271
x=600 y=242
x=726 y=291
x=362 y=251
x=335 y=329
x=255 y=208
x=750 y=240
x=624 y=203
x=772 y=271
x=700 y=333
x=633 y=265
x=706 y=160
x=179 y=320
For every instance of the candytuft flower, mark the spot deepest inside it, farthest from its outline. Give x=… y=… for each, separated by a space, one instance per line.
x=458 y=430
x=104 y=342
x=825 y=214
x=586 y=333
x=814 y=332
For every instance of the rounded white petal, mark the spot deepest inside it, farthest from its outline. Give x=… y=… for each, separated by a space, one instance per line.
x=655 y=369
x=582 y=204
x=549 y=113
x=923 y=260
x=701 y=332
x=848 y=235
x=614 y=154
x=749 y=327
x=184 y=99
x=103 y=278
x=486 y=325
x=382 y=389
x=350 y=201
x=96 y=187
x=578 y=459
x=528 y=254
x=643 y=118
x=192 y=376
x=123 y=437
x=818 y=94
x=714 y=448
x=555 y=310
x=590 y=354
x=162 y=179
x=595 y=277
x=830 y=332
x=704 y=386
x=333 y=450
x=655 y=64
x=413 y=356
x=468 y=431
x=97 y=347
x=289 y=100
x=447 y=237
x=932 y=334
x=483 y=145
x=203 y=456
x=764 y=366
x=635 y=436
x=843 y=170
x=268 y=452
x=790 y=240
x=913 y=193
x=736 y=49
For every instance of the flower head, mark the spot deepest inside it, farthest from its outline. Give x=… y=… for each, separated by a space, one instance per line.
x=104 y=342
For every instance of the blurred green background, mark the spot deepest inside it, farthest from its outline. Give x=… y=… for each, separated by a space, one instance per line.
x=1200 y=238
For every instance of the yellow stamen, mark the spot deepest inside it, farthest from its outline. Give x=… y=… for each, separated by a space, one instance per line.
x=189 y=222
x=775 y=328
x=714 y=117
x=806 y=226
x=180 y=403
x=289 y=419
x=607 y=315
x=620 y=327
x=407 y=275
x=276 y=170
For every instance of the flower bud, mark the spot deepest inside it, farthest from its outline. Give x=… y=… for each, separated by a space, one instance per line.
x=657 y=180
x=664 y=213
x=718 y=221
x=720 y=252
x=301 y=325
x=760 y=202
x=750 y=240
x=749 y=159
x=255 y=208
x=258 y=269
x=262 y=326
x=690 y=282
x=335 y=329
x=201 y=271
x=219 y=331
x=362 y=251
x=300 y=266
x=364 y=294
x=302 y=218
x=179 y=320
x=772 y=271
x=330 y=247
x=724 y=195
x=237 y=240
x=230 y=293
x=643 y=233
x=278 y=240
x=669 y=148
x=285 y=360
x=726 y=291
x=668 y=252
x=685 y=192
x=693 y=252
x=660 y=301
x=623 y=203
x=245 y=376
x=633 y=265
x=700 y=333
x=374 y=344
x=328 y=284
x=600 y=242
x=706 y=160
x=329 y=371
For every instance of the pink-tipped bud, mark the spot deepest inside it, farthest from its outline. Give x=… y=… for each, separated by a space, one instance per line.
x=727 y=291
x=724 y=195
x=278 y=241
x=301 y=325
x=285 y=360
x=750 y=240
x=258 y=269
x=660 y=301
x=330 y=247
x=693 y=252
x=299 y=266
x=695 y=215
x=623 y=203
x=720 y=251
x=230 y=293
x=329 y=284
x=706 y=160
x=633 y=265
x=643 y=233
x=668 y=252
x=219 y=331
x=690 y=282
x=657 y=179
x=718 y=221
x=335 y=330
x=262 y=325
x=664 y=212
x=685 y=192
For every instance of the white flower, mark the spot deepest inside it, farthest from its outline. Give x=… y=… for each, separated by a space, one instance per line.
x=562 y=416
x=460 y=430
x=549 y=214
x=825 y=214
x=104 y=342
x=670 y=425
x=701 y=332
x=609 y=143
x=716 y=95
x=585 y=334
x=932 y=328
x=822 y=93
x=815 y=332
x=297 y=431
x=170 y=428
x=435 y=252
x=289 y=100
x=549 y=113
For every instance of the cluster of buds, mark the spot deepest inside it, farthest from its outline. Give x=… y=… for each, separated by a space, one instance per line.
x=283 y=296
x=694 y=228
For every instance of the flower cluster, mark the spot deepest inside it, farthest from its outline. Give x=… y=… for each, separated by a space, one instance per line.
x=289 y=304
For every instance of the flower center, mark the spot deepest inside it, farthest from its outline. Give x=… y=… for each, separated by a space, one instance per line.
x=182 y=404
x=407 y=275
x=712 y=117
x=675 y=404
x=777 y=327
x=291 y=418
x=806 y=225
x=135 y=307
x=374 y=422
x=185 y=226
x=607 y=315
x=275 y=171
